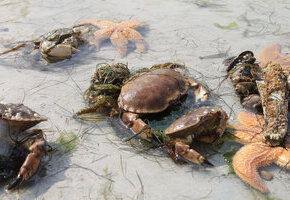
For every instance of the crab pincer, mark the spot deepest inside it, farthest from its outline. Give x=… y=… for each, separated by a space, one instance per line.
x=32 y=161
x=203 y=124
x=19 y=119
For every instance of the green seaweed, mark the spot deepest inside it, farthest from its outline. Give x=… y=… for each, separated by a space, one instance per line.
x=66 y=142
x=228 y=133
x=229 y=26
x=228 y=156
x=160 y=136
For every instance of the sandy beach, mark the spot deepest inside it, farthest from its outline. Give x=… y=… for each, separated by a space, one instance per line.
x=101 y=166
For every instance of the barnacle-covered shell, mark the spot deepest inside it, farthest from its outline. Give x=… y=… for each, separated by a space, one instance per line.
x=19 y=116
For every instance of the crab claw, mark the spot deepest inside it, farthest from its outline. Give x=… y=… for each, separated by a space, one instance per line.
x=249 y=158
x=31 y=163
x=15 y=183
x=183 y=151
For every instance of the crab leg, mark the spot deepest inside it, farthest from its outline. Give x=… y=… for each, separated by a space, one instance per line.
x=31 y=163
x=201 y=94
x=133 y=121
x=186 y=153
x=98 y=105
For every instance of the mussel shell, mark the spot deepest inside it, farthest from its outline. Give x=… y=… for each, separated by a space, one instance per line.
x=246 y=57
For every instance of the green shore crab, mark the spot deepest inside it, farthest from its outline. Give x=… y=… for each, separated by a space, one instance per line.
x=152 y=91
x=56 y=45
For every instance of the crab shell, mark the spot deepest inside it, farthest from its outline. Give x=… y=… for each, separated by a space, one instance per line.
x=59 y=44
x=19 y=117
x=204 y=120
x=153 y=91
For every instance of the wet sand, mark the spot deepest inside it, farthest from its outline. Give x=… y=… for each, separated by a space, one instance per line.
x=102 y=166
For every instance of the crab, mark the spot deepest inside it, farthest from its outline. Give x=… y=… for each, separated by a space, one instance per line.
x=152 y=91
x=56 y=45
x=23 y=147
x=205 y=124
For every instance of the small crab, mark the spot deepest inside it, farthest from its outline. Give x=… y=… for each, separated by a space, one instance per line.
x=17 y=119
x=105 y=87
x=206 y=124
x=56 y=45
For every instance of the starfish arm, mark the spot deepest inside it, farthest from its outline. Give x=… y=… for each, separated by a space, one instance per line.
x=102 y=35
x=272 y=53
x=130 y=23
x=120 y=41
x=137 y=38
x=251 y=119
x=247 y=134
x=283 y=160
x=249 y=158
x=99 y=23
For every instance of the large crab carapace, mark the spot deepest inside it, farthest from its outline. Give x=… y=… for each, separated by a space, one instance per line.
x=17 y=119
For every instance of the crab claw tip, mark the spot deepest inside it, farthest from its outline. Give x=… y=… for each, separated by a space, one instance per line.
x=15 y=183
x=206 y=163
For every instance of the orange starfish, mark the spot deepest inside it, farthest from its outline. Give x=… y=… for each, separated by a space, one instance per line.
x=255 y=153
x=119 y=33
x=272 y=53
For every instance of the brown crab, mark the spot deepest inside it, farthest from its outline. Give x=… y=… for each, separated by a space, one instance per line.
x=17 y=119
x=206 y=124
x=152 y=92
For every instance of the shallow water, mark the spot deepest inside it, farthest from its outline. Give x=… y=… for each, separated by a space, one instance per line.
x=102 y=166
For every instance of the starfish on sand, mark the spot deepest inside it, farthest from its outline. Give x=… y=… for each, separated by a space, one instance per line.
x=272 y=53
x=119 y=33
x=255 y=153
